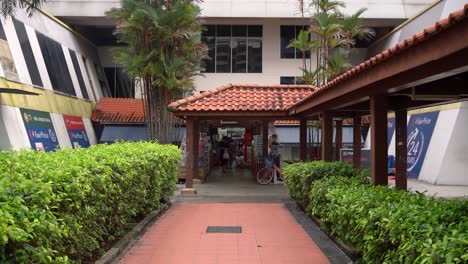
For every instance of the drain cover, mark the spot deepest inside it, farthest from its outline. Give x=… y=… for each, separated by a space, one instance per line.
x=224 y=229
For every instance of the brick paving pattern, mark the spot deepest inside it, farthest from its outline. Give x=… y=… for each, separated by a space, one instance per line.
x=270 y=235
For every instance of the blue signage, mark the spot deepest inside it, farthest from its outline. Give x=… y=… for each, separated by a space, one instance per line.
x=40 y=129
x=420 y=129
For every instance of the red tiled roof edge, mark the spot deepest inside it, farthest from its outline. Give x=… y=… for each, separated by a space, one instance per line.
x=195 y=97
x=174 y=105
x=421 y=36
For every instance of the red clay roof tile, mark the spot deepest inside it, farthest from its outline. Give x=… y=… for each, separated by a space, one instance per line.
x=245 y=97
x=119 y=111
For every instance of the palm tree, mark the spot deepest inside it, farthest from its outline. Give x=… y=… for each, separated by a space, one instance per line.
x=352 y=29
x=164 y=50
x=8 y=7
x=335 y=37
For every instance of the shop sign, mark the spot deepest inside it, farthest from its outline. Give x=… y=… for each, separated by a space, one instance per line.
x=40 y=130
x=76 y=131
x=347 y=156
x=420 y=129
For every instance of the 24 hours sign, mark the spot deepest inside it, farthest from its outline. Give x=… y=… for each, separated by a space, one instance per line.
x=420 y=128
x=76 y=131
x=40 y=129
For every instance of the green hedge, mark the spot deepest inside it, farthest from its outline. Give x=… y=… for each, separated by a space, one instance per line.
x=389 y=225
x=69 y=205
x=299 y=177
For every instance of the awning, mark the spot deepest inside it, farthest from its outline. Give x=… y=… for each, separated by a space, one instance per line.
x=132 y=133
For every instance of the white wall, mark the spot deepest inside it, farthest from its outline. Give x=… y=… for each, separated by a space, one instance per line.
x=15 y=129
x=428 y=18
x=61 y=130
x=437 y=152
x=90 y=131
x=455 y=166
x=245 y=8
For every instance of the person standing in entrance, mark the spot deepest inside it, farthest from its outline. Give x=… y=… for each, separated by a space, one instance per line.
x=223 y=153
x=274 y=153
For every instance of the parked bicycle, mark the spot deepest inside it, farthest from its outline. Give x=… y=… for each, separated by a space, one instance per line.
x=266 y=174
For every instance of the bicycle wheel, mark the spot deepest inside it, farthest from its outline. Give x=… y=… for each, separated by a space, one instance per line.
x=265 y=175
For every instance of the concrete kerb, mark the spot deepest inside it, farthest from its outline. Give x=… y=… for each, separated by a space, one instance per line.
x=124 y=244
x=329 y=248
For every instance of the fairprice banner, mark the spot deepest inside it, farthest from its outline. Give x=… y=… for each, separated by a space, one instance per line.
x=420 y=129
x=76 y=131
x=40 y=129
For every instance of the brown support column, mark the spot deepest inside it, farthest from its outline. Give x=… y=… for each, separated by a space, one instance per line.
x=379 y=148
x=265 y=137
x=338 y=138
x=401 y=148
x=303 y=140
x=327 y=137
x=357 y=141
x=192 y=142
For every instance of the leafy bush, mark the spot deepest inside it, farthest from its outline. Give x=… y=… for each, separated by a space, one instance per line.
x=389 y=225
x=68 y=205
x=299 y=177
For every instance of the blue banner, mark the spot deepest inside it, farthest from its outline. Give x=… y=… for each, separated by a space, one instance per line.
x=41 y=132
x=76 y=131
x=420 y=129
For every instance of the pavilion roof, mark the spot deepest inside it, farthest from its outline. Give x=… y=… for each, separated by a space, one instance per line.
x=244 y=97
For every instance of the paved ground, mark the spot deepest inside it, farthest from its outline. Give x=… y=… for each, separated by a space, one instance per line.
x=235 y=186
x=443 y=191
x=270 y=235
x=274 y=230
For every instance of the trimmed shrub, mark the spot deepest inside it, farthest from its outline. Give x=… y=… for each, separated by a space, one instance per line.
x=299 y=177
x=70 y=205
x=389 y=225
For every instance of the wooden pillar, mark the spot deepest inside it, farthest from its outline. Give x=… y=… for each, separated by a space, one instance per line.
x=192 y=144
x=327 y=137
x=265 y=137
x=303 y=140
x=401 y=148
x=357 y=141
x=338 y=138
x=379 y=148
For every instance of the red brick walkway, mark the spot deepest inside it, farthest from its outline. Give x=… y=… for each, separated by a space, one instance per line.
x=270 y=235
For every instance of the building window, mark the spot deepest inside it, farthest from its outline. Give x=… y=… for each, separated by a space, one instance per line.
x=79 y=75
x=56 y=64
x=121 y=85
x=290 y=80
x=27 y=53
x=289 y=33
x=233 y=48
x=102 y=80
x=6 y=60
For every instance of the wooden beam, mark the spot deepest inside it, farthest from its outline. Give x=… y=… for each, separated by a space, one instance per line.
x=357 y=141
x=191 y=152
x=401 y=148
x=379 y=148
x=327 y=136
x=338 y=138
x=303 y=139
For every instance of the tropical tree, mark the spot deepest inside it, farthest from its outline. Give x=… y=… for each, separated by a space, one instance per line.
x=334 y=35
x=8 y=7
x=163 y=49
